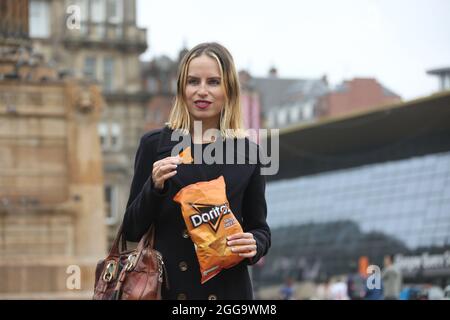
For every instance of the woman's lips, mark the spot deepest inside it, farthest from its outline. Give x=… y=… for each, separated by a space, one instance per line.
x=202 y=104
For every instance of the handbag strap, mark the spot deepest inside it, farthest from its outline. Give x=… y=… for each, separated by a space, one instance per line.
x=147 y=240
x=115 y=246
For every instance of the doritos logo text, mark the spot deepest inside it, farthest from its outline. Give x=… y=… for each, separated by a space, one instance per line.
x=209 y=214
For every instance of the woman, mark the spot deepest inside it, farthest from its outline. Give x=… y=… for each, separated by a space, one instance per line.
x=207 y=91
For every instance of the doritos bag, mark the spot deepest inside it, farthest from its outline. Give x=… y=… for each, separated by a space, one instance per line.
x=209 y=221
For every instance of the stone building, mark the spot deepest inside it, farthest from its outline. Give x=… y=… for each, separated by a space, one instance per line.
x=99 y=40
x=51 y=180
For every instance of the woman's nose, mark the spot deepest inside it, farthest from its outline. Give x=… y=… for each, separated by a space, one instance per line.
x=202 y=91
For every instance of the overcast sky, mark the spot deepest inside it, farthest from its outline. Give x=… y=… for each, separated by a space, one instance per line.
x=395 y=41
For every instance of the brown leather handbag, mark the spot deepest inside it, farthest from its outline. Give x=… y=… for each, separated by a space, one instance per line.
x=130 y=274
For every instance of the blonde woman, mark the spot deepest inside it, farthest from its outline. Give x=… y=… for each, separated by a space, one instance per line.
x=207 y=94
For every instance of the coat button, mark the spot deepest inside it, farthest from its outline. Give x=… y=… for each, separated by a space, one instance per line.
x=185 y=234
x=183 y=266
x=181 y=296
x=212 y=297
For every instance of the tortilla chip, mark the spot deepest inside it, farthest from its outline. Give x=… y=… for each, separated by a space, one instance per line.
x=186 y=156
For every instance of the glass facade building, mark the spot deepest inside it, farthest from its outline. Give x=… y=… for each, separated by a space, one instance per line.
x=392 y=199
x=406 y=199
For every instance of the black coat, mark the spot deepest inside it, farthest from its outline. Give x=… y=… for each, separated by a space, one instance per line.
x=245 y=188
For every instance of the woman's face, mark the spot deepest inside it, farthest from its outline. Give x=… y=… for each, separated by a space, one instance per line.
x=205 y=97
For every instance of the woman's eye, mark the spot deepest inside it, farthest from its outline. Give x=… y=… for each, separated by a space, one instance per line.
x=210 y=82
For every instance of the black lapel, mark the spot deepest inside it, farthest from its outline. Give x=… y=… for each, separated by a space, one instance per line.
x=166 y=144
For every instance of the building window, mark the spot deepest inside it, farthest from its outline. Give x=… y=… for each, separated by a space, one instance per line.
x=98 y=11
x=39 y=19
x=114 y=11
x=111 y=199
x=108 y=74
x=103 y=134
x=90 y=68
x=110 y=136
x=83 y=5
x=84 y=14
x=115 y=136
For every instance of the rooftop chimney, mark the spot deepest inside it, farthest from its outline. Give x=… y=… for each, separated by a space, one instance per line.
x=273 y=73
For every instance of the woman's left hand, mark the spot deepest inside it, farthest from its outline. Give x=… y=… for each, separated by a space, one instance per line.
x=242 y=243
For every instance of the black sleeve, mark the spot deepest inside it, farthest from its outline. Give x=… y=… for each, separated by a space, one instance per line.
x=144 y=201
x=254 y=212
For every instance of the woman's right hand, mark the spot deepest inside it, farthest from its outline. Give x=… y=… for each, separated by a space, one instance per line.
x=164 y=169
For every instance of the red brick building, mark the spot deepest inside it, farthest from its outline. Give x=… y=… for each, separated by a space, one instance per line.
x=356 y=94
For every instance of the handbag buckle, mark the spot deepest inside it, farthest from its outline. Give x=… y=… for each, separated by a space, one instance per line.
x=110 y=271
x=132 y=258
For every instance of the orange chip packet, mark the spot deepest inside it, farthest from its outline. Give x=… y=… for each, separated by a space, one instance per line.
x=209 y=221
x=186 y=156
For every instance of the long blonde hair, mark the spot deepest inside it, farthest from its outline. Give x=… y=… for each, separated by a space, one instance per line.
x=230 y=125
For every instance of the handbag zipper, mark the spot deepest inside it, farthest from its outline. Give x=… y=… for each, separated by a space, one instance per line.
x=160 y=267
